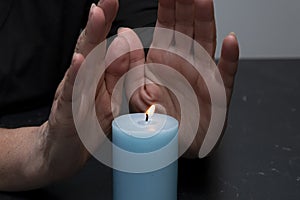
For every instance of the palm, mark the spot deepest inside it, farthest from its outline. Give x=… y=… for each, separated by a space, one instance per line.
x=180 y=16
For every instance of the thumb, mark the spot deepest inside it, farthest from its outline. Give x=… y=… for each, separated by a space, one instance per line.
x=62 y=106
x=136 y=77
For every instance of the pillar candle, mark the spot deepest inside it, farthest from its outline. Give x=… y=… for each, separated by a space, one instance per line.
x=148 y=176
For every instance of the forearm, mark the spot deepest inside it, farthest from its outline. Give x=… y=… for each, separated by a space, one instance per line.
x=23 y=163
x=36 y=156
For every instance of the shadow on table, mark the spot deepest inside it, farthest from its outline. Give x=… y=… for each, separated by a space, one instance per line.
x=197 y=179
x=29 y=195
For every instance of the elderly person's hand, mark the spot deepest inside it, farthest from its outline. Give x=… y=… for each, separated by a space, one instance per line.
x=194 y=18
x=32 y=157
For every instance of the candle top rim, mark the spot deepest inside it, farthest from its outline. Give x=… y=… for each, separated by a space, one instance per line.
x=134 y=125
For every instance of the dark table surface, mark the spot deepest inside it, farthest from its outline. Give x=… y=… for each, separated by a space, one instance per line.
x=258 y=158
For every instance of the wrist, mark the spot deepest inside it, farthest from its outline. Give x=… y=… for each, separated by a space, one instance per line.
x=35 y=166
x=63 y=151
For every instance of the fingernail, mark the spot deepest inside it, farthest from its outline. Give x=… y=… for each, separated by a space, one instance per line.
x=122 y=29
x=119 y=29
x=232 y=33
x=91 y=10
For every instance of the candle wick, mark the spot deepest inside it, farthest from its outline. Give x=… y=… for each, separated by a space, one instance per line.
x=147 y=117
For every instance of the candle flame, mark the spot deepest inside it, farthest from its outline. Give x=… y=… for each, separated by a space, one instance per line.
x=150 y=111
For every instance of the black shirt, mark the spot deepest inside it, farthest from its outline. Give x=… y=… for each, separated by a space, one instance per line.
x=37 y=40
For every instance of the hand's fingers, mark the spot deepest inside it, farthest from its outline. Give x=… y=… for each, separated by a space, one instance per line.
x=137 y=59
x=165 y=19
x=63 y=101
x=205 y=26
x=118 y=62
x=184 y=24
x=137 y=55
x=110 y=10
x=166 y=14
x=98 y=25
x=69 y=78
x=108 y=94
x=229 y=62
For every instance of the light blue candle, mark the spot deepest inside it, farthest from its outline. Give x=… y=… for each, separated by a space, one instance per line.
x=145 y=157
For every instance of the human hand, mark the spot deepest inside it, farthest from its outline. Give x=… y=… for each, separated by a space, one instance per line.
x=194 y=18
x=64 y=150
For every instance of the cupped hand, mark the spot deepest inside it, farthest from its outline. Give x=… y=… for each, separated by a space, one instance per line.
x=64 y=150
x=194 y=18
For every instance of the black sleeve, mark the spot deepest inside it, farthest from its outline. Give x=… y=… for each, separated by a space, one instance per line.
x=135 y=14
x=37 y=39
